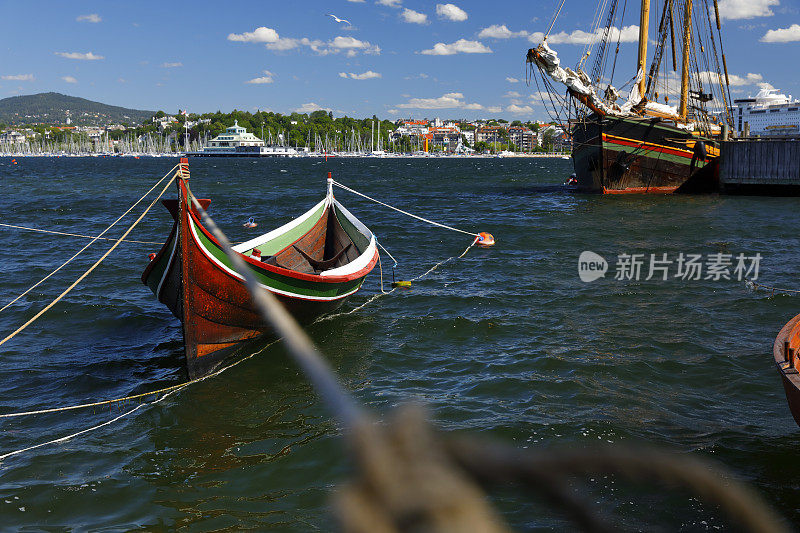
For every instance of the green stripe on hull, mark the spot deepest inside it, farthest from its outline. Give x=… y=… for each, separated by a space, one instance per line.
x=652 y=154
x=278 y=282
x=650 y=124
x=280 y=242
x=158 y=269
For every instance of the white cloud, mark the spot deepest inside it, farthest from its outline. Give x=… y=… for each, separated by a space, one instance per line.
x=356 y=1
x=629 y=34
x=259 y=35
x=746 y=9
x=494 y=109
x=736 y=81
x=88 y=56
x=172 y=65
x=69 y=79
x=496 y=31
x=512 y=94
x=451 y=12
x=393 y=111
x=519 y=109
x=512 y=80
x=766 y=85
x=414 y=17
x=389 y=3
x=18 y=77
x=94 y=17
x=446 y=101
x=368 y=75
x=349 y=44
x=275 y=42
x=782 y=35
x=310 y=107
x=461 y=46
x=267 y=78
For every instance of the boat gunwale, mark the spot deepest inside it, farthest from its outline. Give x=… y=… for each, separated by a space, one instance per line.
x=273 y=269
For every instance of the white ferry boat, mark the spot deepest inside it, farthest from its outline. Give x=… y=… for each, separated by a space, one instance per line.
x=238 y=142
x=769 y=113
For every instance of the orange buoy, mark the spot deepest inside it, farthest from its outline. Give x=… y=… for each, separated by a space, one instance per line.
x=152 y=256
x=485 y=239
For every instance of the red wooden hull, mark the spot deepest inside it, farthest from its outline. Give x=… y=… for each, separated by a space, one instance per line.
x=786 y=353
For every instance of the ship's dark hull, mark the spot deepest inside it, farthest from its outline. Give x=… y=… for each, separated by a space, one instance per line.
x=641 y=155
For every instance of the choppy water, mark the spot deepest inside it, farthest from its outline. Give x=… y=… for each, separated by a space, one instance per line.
x=507 y=342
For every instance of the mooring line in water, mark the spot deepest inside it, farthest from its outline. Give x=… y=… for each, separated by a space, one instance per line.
x=386 y=293
x=95 y=265
x=94 y=239
x=755 y=286
x=168 y=391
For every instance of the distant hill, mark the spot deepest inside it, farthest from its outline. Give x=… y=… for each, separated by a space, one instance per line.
x=54 y=108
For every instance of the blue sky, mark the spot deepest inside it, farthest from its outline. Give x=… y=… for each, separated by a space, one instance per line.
x=396 y=58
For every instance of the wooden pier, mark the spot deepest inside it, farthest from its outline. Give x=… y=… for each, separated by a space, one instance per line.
x=766 y=166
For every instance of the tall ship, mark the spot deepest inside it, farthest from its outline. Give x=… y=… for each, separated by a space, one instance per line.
x=769 y=113
x=642 y=143
x=236 y=141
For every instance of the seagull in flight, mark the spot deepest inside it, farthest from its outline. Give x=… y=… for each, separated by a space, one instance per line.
x=337 y=19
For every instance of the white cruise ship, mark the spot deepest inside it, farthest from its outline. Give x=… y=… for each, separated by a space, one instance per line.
x=237 y=142
x=769 y=113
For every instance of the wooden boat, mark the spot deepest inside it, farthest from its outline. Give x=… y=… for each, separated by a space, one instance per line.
x=786 y=351
x=312 y=264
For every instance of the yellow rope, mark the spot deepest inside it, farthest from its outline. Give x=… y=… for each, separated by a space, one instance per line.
x=77 y=234
x=91 y=268
x=79 y=252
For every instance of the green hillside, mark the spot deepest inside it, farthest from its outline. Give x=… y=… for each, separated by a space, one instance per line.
x=55 y=108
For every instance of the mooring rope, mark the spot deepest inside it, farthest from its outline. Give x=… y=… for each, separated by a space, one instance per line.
x=348 y=189
x=98 y=237
x=169 y=391
x=386 y=293
x=94 y=239
x=91 y=268
x=755 y=286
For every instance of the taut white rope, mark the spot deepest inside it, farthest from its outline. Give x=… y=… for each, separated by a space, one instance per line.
x=91 y=268
x=348 y=189
x=79 y=252
x=76 y=234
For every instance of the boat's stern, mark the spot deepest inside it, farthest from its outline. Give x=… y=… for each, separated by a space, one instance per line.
x=786 y=353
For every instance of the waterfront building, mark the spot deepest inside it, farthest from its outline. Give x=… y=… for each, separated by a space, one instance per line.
x=523 y=138
x=12 y=137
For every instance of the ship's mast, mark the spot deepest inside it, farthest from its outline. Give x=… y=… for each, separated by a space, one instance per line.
x=687 y=38
x=644 y=23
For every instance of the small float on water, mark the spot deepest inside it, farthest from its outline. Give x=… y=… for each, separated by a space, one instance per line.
x=786 y=352
x=312 y=264
x=251 y=223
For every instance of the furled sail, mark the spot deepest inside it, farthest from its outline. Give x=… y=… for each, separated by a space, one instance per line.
x=581 y=86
